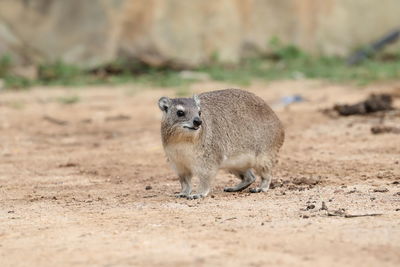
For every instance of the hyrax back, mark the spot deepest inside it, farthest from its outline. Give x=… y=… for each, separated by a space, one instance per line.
x=230 y=129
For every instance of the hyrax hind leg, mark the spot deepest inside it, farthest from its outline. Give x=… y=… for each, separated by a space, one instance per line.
x=247 y=178
x=264 y=185
x=266 y=175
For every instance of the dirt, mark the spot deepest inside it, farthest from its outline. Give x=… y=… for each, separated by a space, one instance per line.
x=91 y=186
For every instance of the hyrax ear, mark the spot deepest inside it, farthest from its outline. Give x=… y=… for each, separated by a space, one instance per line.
x=164 y=103
x=196 y=100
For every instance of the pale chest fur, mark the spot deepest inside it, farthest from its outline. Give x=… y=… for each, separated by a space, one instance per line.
x=181 y=156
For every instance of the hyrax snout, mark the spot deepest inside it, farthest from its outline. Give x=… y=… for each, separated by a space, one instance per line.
x=228 y=129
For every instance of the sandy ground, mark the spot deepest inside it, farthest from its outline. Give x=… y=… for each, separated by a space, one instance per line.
x=73 y=191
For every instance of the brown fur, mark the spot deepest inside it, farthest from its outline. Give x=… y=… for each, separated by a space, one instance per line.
x=239 y=132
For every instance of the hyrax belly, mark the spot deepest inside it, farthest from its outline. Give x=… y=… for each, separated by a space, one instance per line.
x=238 y=162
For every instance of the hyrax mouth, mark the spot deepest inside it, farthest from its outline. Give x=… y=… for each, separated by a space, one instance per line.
x=193 y=128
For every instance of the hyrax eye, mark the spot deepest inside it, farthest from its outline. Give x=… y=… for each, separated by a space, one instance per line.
x=180 y=113
x=199 y=112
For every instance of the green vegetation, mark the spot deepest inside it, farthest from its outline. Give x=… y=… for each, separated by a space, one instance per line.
x=67 y=100
x=5 y=65
x=289 y=62
x=283 y=62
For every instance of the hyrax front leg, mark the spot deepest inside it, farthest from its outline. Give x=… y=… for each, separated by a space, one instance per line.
x=204 y=185
x=247 y=178
x=186 y=185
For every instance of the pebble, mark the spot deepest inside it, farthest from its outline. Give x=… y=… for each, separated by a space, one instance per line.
x=311 y=206
x=381 y=190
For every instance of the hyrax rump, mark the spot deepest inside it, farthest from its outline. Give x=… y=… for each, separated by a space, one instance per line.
x=228 y=129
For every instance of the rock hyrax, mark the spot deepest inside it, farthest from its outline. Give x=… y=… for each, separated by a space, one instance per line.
x=228 y=129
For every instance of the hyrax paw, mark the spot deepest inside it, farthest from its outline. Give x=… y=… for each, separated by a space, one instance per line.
x=181 y=195
x=194 y=196
x=256 y=190
x=229 y=189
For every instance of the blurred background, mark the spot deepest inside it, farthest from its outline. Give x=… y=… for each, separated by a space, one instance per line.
x=103 y=41
x=83 y=174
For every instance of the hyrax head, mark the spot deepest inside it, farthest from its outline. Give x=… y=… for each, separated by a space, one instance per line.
x=181 y=115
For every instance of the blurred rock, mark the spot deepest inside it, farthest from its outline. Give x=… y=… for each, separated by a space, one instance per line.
x=28 y=72
x=74 y=31
x=185 y=33
x=194 y=75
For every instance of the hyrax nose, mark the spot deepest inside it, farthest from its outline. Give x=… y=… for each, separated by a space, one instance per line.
x=197 y=121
